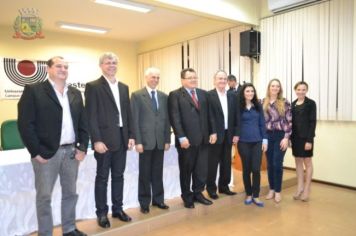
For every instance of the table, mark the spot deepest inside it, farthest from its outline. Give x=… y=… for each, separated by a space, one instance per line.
x=17 y=191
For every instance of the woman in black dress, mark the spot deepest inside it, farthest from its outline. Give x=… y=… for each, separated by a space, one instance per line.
x=303 y=132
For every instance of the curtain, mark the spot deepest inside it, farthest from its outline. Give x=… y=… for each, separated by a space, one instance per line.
x=168 y=60
x=240 y=66
x=206 y=56
x=313 y=44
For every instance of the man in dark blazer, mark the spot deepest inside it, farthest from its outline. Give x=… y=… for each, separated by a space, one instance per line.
x=110 y=126
x=53 y=126
x=152 y=131
x=194 y=130
x=234 y=86
x=224 y=107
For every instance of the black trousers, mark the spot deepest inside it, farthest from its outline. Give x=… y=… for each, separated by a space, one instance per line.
x=251 y=156
x=150 y=175
x=116 y=162
x=193 y=164
x=219 y=154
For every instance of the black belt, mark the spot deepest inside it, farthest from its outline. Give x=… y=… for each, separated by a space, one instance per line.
x=67 y=145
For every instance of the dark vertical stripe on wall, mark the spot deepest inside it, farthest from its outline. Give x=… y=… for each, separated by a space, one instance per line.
x=291 y=76
x=188 y=59
x=337 y=78
x=229 y=53
x=182 y=56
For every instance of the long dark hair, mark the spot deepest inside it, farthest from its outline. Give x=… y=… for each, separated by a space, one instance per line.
x=243 y=100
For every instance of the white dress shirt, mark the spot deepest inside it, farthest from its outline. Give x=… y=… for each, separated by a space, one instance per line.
x=67 y=134
x=115 y=92
x=223 y=102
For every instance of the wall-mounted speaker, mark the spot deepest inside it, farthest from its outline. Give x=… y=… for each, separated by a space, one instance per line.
x=250 y=43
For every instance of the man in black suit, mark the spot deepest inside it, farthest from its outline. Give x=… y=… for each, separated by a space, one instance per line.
x=111 y=131
x=53 y=127
x=234 y=86
x=152 y=131
x=224 y=107
x=194 y=130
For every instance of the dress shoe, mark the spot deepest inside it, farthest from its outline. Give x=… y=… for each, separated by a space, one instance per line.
x=189 y=205
x=277 y=197
x=270 y=195
x=75 y=232
x=161 y=205
x=248 y=200
x=145 y=210
x=122 y=216
x=298 y=194
x=103 y=221
x=258 y=202
x=201 y=199
x=213 y=196
x=304 y=197
x=228 y=192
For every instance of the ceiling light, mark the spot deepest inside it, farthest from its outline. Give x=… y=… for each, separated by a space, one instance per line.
x=86 y=28
x=126 y=5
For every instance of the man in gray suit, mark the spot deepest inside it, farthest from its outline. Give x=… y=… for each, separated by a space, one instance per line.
x=152 y=130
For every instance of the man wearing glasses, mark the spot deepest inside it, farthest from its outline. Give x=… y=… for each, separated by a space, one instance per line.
x=194 y=130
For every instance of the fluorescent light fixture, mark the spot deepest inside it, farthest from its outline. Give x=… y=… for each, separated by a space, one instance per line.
x=128 y=5
x=225 y=9
x=85 y=28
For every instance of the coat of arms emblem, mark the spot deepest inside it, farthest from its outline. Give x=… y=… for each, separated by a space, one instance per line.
x=28 y=25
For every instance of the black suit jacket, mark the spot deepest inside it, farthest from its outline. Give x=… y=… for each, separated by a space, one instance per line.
x=304 y=124
x=236 y=91
x=217 y=112
x=40 y=119
x=189 y=121
x=103 y=115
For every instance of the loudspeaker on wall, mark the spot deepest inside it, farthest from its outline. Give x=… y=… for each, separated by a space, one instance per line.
x=250 y=43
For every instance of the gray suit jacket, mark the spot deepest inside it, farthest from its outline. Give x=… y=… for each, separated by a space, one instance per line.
x=151 y=127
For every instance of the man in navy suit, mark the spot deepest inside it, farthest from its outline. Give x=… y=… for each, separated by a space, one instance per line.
x=194 y=129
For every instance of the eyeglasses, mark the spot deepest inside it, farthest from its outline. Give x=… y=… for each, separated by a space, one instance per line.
x=109 y=63
x=191 y=78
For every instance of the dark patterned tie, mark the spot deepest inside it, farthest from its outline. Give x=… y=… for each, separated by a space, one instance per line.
x=153 y=100
x=194 y=97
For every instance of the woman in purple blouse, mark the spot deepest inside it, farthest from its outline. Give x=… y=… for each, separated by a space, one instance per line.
x=278 y=117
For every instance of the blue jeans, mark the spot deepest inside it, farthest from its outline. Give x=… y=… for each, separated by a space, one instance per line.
x=275 y=158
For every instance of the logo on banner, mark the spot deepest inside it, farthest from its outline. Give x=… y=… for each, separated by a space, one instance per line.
x=28 y=25
x=25 y=71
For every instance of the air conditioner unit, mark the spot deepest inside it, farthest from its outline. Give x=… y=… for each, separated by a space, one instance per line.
x=282 y=5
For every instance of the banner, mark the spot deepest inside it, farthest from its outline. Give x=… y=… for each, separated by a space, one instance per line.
x=15 y=74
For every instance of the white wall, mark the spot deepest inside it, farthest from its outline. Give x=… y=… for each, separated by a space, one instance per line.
x=334 y=153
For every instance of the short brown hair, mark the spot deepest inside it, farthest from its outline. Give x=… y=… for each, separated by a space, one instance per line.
x=50 y=61
x=301 y=83
x=184 y=71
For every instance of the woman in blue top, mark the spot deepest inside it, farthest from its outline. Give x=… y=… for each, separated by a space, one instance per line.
x=252 y=141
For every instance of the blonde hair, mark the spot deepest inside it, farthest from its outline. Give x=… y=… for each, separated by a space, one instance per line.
x=280 y=102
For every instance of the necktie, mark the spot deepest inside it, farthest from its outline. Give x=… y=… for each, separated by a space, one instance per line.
x=194 y=98
x=153 y=100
